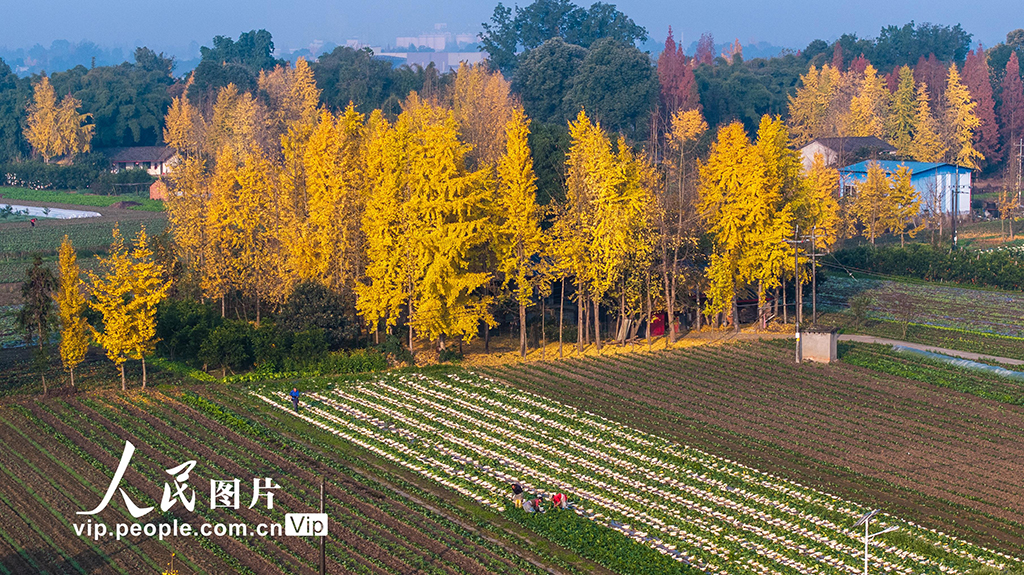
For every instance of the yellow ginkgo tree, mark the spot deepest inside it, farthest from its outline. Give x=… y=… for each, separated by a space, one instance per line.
x=71 y=303
x=126 y=295
x=519 y=239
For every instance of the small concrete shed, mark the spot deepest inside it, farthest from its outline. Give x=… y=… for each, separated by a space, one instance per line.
x=817 y=344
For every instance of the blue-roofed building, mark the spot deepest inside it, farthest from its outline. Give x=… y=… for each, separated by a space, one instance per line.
x=936 y=183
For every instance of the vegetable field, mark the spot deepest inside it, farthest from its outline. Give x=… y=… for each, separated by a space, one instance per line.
x=475 y=435
x=57 y=458
x=933 y=455
x=930 y=304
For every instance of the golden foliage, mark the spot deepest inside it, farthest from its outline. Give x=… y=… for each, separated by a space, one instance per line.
x=961 y=122
x=71 y=303
x=482 y=103
x=54 y=129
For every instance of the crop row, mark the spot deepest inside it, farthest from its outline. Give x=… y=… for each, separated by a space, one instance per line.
x=476 y=437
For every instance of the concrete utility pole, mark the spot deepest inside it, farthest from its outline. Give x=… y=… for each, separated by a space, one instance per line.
x=1020 y=164
x=955 y=204
x=323 y=538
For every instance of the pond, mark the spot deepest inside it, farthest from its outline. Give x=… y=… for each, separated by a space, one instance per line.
x=54 y=213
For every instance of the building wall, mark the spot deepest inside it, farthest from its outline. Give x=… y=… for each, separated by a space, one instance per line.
x=808 y=152
x=934 y=186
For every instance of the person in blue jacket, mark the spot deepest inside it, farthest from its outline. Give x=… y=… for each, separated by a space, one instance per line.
x=295 y=397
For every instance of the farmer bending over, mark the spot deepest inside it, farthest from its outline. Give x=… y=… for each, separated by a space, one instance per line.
x=533 y=506
x=517 y=495
x=295 y=397
x=560 y=501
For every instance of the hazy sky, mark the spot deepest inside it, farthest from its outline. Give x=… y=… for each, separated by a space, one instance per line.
x=295 y=23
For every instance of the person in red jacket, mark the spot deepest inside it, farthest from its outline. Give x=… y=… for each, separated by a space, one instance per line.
x=559 y=500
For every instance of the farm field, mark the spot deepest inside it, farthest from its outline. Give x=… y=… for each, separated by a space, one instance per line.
x=57 y=457
x=79 y=199
x=930 y=454
x=476 y=435
x=933 y=304
x=18 y=240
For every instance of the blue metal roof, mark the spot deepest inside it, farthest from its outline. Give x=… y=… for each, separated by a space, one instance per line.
x=892 y=166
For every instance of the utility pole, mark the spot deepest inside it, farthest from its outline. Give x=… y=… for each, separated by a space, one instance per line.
x=1020 y=164
x=814 y=278
x=323 y=538
x=955 y=204
x=796 y=241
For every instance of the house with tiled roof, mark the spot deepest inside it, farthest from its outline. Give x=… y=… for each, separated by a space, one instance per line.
x=157 y=160
x=841 y=151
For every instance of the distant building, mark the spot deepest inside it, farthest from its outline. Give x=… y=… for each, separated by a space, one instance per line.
x=935 y=182
x=157 y=160
x=845 y=150
x=158 y=190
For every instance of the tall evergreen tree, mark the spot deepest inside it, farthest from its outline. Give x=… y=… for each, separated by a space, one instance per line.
x=903 y=115
x=979 y=83
x=36 y=318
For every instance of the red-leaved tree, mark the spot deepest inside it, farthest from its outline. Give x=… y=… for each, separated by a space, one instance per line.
x=837 y=57
x=1011 y=110
x=979 y=83
x=859 y=64
x=705 y=49
x=933 y=73
x=678 y=84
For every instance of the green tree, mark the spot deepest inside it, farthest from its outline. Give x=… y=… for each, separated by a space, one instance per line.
x=903 y=114
x=127 y=102
x=13 y=97
x=36 y=317
x=233 y=62
x=347 y=75
x=617 y=84
x=500 y=39
x=544 y=78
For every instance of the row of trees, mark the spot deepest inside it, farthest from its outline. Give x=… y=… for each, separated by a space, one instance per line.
x=124 y=297
x=432 y=218
x=953 y=118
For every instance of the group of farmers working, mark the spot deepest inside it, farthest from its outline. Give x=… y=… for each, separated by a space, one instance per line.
x=533 y=505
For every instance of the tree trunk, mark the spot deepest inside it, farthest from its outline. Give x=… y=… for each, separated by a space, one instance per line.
x=257 y=309
x=543 y=336
x=45 y=392
x=761 y=305
x=222 y=305
x=648 y=310
x=700 y=315
x=597 y=325
x=522 y=330
x=785 y=310
x=622 y=318
x=561 y=311
x=670 y=305
x=72 y=379
x=735 y=314
x=123 y=385
x=579 y=318
x=668 y=312
x=411 y=351
x=143 y=372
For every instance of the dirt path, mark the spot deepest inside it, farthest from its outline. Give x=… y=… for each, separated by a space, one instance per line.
x=931 y=348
